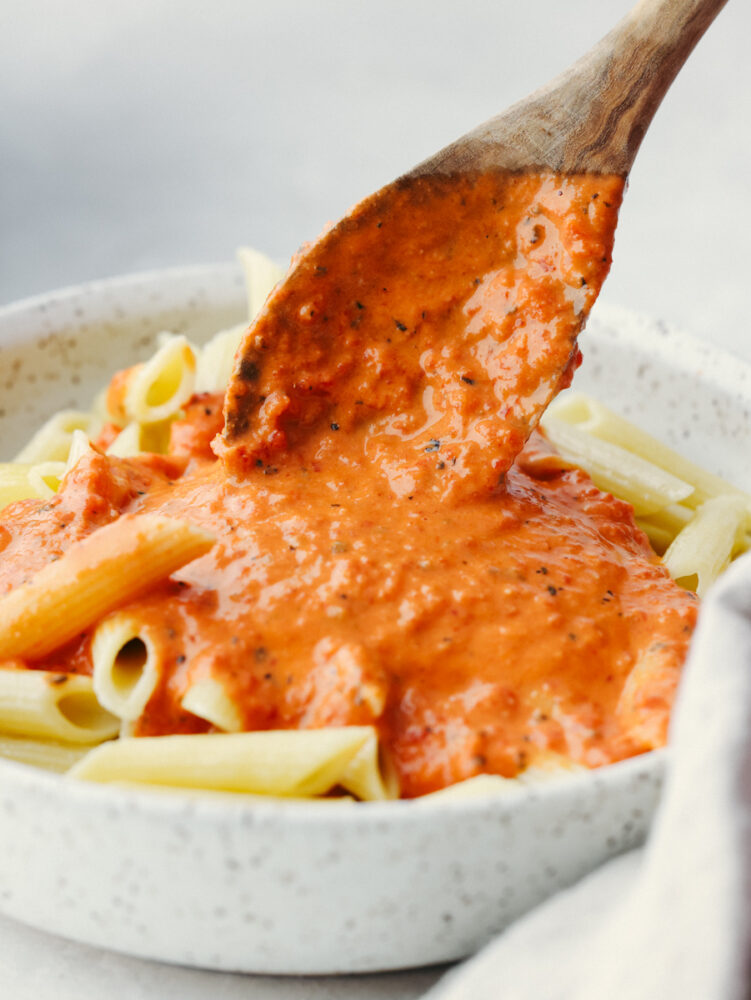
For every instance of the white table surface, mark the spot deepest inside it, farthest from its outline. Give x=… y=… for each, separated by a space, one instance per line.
x=146 y=133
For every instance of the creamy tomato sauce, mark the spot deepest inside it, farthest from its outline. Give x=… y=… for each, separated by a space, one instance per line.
x=386 y=552
x=441 y=310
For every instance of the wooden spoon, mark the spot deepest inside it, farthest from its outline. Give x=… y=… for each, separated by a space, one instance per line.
x=433 y=324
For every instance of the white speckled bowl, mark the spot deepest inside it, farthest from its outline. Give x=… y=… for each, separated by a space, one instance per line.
x=317 y=887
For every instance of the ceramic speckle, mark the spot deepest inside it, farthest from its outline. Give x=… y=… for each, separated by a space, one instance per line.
x=271 y=887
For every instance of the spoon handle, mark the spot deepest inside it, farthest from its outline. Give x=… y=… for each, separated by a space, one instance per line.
x=591 y=118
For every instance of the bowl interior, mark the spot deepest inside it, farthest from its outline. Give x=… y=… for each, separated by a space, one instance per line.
x=57 y=351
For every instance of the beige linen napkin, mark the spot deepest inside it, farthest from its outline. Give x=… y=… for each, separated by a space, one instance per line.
x=674 y=919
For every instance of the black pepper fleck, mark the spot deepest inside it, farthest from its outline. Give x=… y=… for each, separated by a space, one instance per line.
x=248 y=370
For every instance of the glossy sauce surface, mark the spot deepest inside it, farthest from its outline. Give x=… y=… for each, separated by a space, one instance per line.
x=385 y=554
x=442 y=310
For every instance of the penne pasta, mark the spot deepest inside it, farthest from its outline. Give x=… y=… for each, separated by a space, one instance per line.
x=479 y=786
x=662 y=526
x=590 y=416
x=46 y=754
x=52 y=441
x=261 y=274
x=366 y=777
x=155 y=391
x=135 y=439
x=546 y=767
x=23 y=481
x=128 y=441
x=52 y=706
x=297 y=763
x=706 y=545
x=659 y=537
x=208 y=699
x=80 y=445
x=215 y=360
x=126 y=665
x=95 y=576
x=645 y=486
x=15 y=484
x=45 y=478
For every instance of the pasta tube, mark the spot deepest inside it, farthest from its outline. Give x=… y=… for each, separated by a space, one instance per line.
x=705 y=546
x=135 y=439
x=126 y=665
x=37 y=703
x=292 y=762
x=613 y=469
x=15 y=484
x=155 y=391
x=216 y=359
x=96 y=575
x=208 y=699
x=47 y=754
x=261 y=274
x=474 y=788
x=22 y=481
x=52 y=441
x=364 y=776
x=590 y=416
x=545 y=767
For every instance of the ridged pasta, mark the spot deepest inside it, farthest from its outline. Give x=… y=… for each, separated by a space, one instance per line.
x=613 y=469
x=156 y=390
x=593 y=418
x=15 y=483
x=46 y=754
x=704 y=548
x=208 y=699
x=261 y=274
x=52 y=706
x=297 y=763
x=698 y=533
x=215 y=360
x=52 y=441
x=126 y=663
x=92 y=578
x=368 y=776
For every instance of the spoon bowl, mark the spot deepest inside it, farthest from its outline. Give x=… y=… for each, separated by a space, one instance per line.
x=446 y=306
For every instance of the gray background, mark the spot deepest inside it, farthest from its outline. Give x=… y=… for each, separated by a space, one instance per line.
x=157 y=132
x=151 y=133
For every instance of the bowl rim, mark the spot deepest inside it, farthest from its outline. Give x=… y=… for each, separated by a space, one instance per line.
x=118 y=282
x=157 y=800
